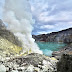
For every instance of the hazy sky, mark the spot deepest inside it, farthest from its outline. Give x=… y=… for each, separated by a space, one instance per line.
x=1 y=6
x=49 y=15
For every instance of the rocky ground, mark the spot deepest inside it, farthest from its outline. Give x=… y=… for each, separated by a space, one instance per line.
x=31 y=63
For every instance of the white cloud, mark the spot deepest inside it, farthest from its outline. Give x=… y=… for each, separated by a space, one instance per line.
x=70 y=22
x=52 y=15
x=61 y=26
x=42 y=32
x=61 y=16
x=32 y=8
x=47 y=26
x=56 y=27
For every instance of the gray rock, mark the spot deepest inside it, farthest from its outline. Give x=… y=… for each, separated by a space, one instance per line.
x=65 y=63
x=32 y=63
x=14 y=71
x=2 y=68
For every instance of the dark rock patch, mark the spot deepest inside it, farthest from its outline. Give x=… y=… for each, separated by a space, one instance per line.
x=65 y=64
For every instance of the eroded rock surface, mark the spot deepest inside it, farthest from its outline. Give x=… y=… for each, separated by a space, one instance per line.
x=31 y=63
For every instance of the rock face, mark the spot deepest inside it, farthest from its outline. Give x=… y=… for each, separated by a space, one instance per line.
x=9 y=44
x=7 y=48
x=6 y=34
x=64 y=36
x=31 y=63
x=65 y=64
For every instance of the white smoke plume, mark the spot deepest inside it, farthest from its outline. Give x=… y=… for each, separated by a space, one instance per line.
x=18 y=16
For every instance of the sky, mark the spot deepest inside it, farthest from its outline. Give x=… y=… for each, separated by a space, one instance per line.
x=50 y=15
x=1 y=6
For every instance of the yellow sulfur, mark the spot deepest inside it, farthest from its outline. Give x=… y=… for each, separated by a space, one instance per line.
x=53 y=58
x=9 y=47
x=27 y=52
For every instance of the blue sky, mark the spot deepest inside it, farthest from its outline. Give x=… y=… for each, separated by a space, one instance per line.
x=49 y=15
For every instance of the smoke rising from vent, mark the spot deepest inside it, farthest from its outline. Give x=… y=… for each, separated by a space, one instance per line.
x=18 y=16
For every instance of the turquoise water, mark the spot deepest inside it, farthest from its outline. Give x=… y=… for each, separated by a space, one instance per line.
x=49 y=47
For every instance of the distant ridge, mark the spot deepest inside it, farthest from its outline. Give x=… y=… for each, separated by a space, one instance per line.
x=64 y=36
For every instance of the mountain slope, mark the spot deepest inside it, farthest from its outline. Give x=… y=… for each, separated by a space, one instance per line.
x=64 y=36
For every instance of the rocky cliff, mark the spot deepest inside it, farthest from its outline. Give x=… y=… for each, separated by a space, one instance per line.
x=64 y=36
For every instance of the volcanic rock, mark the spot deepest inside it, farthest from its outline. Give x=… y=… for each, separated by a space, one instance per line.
x=65 y=63
x=31 y=63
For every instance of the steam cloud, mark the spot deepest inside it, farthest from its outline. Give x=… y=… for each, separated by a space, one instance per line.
x=19 y=19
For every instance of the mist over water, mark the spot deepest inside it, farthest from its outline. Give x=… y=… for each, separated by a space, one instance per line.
x=18 y=16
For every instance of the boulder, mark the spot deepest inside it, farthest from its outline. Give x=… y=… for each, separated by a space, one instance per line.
x=65 y=63
x=2 y=68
